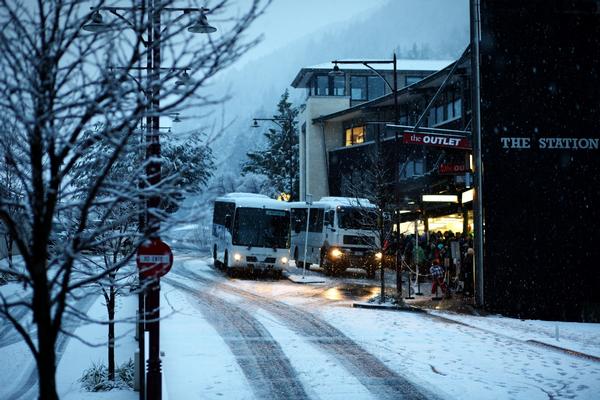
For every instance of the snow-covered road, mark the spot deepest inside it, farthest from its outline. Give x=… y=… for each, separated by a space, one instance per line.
x=228 y=338
x=282 y=340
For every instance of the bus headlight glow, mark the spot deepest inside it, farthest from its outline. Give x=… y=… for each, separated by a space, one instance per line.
x=336 y=253
x=237 y=257
x=284 y=260
x=378 y=255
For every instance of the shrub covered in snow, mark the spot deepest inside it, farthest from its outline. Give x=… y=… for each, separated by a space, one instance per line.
x=95 y=378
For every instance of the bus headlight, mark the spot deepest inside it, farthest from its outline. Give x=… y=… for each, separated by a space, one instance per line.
x=336 y=253
x=284 y=260
x=378 y=255
x=237 y=257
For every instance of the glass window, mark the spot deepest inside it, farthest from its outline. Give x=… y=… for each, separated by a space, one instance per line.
x=412 y=168
x=376 y=87
x=358 y=134
x=349 y=137
x=322 y=85
x=339 y=85
x=431 y=118
x=358 y=87
x=458 y=108
x=439 y=114
x=450 y=110
x=355 y=135
x=412 y=79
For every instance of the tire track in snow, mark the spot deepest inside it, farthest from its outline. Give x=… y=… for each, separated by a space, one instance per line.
x=377 y=378
x=260 y=357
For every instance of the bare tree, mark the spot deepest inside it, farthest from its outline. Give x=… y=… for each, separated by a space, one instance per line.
x=58 y=81
x=375 y=182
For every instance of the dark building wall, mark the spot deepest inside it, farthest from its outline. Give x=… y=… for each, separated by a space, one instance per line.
x=540 y=79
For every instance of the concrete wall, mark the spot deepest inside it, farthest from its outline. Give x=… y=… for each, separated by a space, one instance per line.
x=314 y=144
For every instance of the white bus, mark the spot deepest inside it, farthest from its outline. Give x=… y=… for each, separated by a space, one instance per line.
x=250 y=233
x=342 y=233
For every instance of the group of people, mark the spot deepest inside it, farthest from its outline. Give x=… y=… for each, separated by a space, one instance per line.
x=448 y=257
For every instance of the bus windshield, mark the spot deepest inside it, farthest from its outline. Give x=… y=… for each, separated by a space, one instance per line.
x=356 y=218
x=257 y=227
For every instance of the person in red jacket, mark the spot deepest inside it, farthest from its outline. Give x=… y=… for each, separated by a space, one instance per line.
x=437 y=277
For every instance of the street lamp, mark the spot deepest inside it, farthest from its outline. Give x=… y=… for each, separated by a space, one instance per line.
x=152 y=43
x=394 y=88
x=282 y=122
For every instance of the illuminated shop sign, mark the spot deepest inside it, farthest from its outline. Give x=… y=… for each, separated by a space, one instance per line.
x=431 y=139
x=451 y=169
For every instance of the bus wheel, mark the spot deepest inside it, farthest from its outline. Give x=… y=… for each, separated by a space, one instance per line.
x=225 y=264
x=324 y=264
x=215 y=261
x=277 y=274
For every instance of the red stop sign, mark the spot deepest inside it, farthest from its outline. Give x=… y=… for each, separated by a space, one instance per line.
x=154 y=258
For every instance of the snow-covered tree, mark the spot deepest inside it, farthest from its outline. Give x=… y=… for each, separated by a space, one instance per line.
x=59 y=80
x=278 y=160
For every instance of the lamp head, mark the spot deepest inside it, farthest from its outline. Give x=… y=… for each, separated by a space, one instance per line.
x=336 y=71
x=96 y=24
x=202 y=25
x=176 y=118
x=255 y=124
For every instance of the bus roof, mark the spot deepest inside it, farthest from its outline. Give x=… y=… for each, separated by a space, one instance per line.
x=254 y=201
x=333 y=202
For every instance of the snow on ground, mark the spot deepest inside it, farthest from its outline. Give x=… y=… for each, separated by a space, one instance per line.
x=79 y=356
x=321 y=374
x=462 y=362
x=580 y=337
x=487 y=360
x=197 y=362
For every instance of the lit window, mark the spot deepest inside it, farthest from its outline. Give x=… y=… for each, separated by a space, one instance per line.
x=355 y=135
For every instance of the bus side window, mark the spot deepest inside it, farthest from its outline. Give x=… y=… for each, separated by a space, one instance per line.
x=228 y=222
x=316 y=220
x=329 y=218
x=298 y=220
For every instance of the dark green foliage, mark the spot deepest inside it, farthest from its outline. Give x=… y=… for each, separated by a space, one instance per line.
x=278 y=160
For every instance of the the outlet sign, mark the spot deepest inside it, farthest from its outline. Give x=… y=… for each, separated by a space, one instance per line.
x=439 y=140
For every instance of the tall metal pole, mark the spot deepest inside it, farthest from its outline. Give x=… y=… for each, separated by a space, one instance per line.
x=397 y=265
x=478 y=184
x=308 y=198
x=154 y=382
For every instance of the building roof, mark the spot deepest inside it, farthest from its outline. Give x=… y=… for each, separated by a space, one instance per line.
x=402 y=65
x=405 y=94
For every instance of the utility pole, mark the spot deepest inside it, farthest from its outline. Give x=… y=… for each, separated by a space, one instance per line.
x=476 y=118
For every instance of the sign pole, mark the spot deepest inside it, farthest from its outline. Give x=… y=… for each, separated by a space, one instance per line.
x=308 y=204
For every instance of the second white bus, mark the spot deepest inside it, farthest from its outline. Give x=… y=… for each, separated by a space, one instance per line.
x=342 y=233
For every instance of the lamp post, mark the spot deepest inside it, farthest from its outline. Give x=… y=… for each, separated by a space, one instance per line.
x=283 y=123
x=394 y=88
x=152 y=43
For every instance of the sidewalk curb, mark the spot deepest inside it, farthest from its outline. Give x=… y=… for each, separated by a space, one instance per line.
x=388 y=307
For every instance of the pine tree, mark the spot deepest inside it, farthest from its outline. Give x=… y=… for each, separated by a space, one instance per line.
x=278 y=160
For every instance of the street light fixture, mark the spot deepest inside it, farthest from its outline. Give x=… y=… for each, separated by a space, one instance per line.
x=96 y=24
x=202 y=25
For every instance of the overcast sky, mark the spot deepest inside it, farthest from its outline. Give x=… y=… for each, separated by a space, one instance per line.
x=288 y=20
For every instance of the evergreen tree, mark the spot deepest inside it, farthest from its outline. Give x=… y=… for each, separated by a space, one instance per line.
x=278 y=161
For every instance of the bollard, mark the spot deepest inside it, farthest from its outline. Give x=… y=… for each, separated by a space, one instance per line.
x=136 y=370
x=409 y=295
